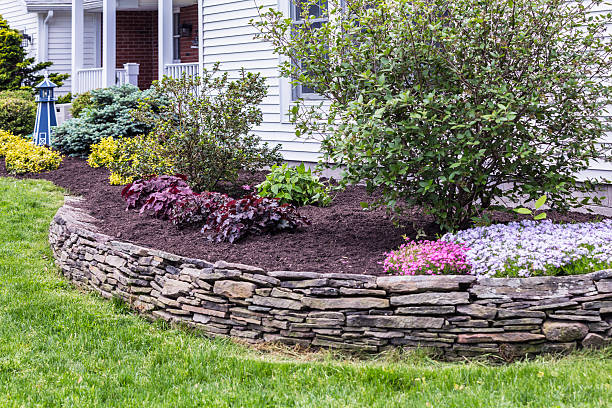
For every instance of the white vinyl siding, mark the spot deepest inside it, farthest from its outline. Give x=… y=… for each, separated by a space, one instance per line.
x=228 y=38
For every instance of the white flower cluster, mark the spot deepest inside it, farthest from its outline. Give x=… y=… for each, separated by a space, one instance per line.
x=534 y=246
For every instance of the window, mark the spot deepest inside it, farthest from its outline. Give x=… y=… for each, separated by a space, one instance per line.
x=176 y=37
x=319 y=16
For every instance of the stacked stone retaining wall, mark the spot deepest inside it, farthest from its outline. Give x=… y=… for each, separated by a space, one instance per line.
x=458 y=316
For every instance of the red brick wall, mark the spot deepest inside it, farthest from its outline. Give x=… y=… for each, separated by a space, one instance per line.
x=137 y=42
x=189 y=15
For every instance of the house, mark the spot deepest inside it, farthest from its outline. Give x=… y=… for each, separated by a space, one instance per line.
x=99 y=42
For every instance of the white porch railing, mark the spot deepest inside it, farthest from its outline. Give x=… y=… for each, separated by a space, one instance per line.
x=176 y=70
x=89 y=79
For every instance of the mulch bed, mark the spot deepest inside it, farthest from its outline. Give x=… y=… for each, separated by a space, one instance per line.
x=342 y=237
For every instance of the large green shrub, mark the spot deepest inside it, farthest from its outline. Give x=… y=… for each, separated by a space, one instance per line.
x=450 y=105
x=110 y=114
x=207 y=133
x=16 y=70
x=80 y=103
x=17 y=112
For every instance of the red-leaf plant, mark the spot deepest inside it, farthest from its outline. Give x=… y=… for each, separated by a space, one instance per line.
x=194 y=210
x=251 y=215
x=136 y=194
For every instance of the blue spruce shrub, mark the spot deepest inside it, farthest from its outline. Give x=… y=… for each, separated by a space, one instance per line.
x=109 y=114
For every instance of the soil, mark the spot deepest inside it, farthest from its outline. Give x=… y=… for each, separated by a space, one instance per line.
x=342 y=237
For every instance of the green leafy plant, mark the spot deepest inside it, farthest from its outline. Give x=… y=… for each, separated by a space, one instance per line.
x=539 y=203
x=135 y=158
x=452 y=105
x=17 y=112
x=17 y=71
x=207 y=132
x=80 y=103
x=294 y=185
x=108 y=113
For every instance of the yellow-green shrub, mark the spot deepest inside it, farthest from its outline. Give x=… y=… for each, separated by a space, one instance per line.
x=138 y=157
x=7 y=139
x=23 y=156
x=103 y=153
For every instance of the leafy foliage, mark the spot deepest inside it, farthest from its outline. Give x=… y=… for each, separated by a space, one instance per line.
x=136 y=194
x=17 y=71
x=139 y=157
x=294 y=185
x=251 y=215
x=17 y=112
x=80 y=103
x=539 y=203
x=194 y=210
x=160 y=203
x=207 y=132
x=103 y=153
x=452 y=105
x=108 y=115
x=23 y=156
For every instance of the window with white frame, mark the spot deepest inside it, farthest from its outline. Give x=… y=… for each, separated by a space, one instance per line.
x=319 y=15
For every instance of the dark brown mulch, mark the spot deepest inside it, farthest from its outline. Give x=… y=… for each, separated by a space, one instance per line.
x=342 y=238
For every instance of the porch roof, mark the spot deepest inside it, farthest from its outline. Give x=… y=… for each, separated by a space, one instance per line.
x=45 y=5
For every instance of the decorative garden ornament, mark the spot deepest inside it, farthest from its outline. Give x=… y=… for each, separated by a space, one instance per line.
x=45 y=115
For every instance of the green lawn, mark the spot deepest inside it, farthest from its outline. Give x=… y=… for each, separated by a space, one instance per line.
x=61 y=347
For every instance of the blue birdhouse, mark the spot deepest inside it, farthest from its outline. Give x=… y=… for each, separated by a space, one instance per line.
x=45 y=115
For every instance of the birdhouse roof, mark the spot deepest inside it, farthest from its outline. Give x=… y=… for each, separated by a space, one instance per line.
x=46 y=83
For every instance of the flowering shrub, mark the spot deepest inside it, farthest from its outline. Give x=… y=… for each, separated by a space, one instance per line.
x=23 y=156
x=427 y=258
x=251 y=215
x=530 y=248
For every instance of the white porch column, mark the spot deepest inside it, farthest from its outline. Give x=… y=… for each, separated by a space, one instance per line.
x=164 y=35
x=109 y=26
x=200 y=38
x=78 y=33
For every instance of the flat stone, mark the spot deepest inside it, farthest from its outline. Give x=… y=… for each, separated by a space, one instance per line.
x=362 y=292
x=579 y=318
x=478 y=311
x=285 y=293
x=294 y=275
x=512 y=313
x=203 y=311
x=432 y=298
x=234 y=289
x=306 y=283
x=564 y=331
x=426 y=310
x=396 y=322
x=174 y=288
x=345 y=303
x=605 y=304
x=115 y=261
x=559 y=305
x=513 y=337
x=280 y=303
x=515 y=322
x=414 y=284
x=240 y=267
x=604 y=285
x=593 y=340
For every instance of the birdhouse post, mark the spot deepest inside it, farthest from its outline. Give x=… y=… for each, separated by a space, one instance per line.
x=45 y=115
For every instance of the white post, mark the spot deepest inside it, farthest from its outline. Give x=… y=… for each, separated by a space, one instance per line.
x=164 y=35
x=78 y=33
x=200 y=38
x=109 y=20
x=131 y=73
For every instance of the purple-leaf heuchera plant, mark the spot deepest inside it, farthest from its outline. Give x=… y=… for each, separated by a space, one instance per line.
x=224 y=218
x=530 y=248
x=427 y=258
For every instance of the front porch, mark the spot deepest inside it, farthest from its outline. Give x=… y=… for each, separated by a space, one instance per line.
x=139 y=41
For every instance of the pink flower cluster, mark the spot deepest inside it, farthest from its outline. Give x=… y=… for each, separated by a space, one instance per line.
x=427 y=258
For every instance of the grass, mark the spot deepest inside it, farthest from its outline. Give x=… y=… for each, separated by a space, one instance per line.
x=63 y=348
